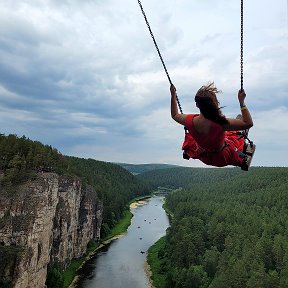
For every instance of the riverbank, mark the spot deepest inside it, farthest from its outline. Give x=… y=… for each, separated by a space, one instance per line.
x=157 y=277
x=137 y=204
x=154 y=259
x=148 y=272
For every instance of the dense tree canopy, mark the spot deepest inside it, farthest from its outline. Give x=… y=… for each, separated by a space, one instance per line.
x=229 y=229
x=186 y=177
x=141 y=168
x=21 y=157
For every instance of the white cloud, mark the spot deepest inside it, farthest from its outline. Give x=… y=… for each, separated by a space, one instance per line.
x=85 y=76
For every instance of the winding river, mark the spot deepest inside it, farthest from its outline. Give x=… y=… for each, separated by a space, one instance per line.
x=121 y=264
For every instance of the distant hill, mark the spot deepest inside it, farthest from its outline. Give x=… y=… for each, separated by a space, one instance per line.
x=186 y=177
x=142 y=168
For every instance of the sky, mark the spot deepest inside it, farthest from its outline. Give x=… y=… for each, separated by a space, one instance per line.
x=85 y=77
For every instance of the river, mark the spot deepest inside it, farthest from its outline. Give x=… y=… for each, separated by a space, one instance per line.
x=121 y=264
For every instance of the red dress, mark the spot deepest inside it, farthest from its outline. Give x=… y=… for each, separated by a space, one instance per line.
x=207 y=147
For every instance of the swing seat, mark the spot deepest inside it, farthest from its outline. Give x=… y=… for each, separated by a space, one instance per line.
x=248 y=150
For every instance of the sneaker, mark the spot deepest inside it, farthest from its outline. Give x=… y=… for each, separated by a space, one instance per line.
x=245 y=147
x=245 y=165
x=249 y=151
x=185 y=156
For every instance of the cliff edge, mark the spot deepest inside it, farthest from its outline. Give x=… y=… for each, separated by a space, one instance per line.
x=47 y=220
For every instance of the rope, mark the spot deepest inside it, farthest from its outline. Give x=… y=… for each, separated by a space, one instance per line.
x=160 y=56
x=241 y=47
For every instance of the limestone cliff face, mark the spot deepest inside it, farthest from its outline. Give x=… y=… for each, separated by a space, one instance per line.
x=78 y=219
x=50 y=219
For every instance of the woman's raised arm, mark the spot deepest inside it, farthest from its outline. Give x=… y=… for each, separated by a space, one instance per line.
x=241 y=124
x=178 y=117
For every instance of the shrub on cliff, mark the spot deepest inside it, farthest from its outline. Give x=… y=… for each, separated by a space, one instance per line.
x=54 y=277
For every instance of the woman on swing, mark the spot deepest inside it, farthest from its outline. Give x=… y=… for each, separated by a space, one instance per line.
x=208 y=138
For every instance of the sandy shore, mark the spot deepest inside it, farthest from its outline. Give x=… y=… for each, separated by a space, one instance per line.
x=148 y=273
x=137 y=204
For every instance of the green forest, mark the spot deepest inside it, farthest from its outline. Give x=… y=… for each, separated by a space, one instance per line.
x=21 y=159
x=229 y=228
x=141 y=168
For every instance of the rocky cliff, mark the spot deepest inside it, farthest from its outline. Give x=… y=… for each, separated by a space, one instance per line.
x=46 y=220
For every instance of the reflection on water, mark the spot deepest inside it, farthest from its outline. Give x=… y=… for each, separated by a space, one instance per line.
x=120 y=264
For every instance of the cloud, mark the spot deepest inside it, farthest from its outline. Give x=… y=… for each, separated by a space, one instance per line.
x=86 y=78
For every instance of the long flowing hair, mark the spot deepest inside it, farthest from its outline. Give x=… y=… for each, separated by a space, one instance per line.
x=208 y=104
